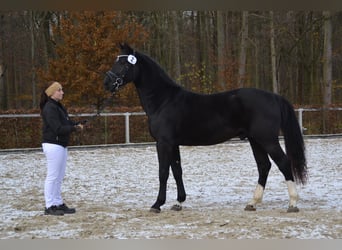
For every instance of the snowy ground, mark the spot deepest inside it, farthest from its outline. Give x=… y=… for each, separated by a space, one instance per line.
x=114 y=187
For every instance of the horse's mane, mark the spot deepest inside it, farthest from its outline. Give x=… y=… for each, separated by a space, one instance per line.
x=160 y=71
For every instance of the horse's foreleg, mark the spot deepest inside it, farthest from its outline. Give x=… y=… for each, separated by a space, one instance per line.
x=163 y=177
x=164 y=158
x=177 y=173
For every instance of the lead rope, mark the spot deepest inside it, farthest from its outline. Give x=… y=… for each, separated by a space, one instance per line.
x=98 y=113
x=85 y=121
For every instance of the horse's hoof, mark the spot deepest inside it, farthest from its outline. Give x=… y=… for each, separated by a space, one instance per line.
x=176 y=207
x=250 y=208
x=155 y=210
x=292 y=209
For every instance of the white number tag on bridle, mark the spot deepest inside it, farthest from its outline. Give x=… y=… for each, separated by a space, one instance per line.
x=132 y=59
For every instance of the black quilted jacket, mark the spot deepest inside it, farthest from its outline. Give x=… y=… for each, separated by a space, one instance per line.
x=57 y=126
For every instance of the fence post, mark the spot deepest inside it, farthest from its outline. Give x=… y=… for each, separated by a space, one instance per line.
x=127 y=115
x=300 y=119
x=106 y=130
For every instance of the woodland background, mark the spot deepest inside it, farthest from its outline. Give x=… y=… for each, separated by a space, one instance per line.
x=297 y=54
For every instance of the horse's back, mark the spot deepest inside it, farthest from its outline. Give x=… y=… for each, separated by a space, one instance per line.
x=252 y=97
x=197 y=119
x=242 y=105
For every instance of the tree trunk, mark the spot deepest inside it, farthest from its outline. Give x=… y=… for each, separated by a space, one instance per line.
x=33 y=75
x=176 y=53
x=2 y=66
x=273 y=56
x=3 y=89
x=327 y=59
x=49 y=47
x=2 y=75
x=204 y=46
x=243 y=48
x=327 y=67
x=220 y=49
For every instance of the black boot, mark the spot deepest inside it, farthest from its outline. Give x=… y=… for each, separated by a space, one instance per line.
x=53 y=210
x=66 y=209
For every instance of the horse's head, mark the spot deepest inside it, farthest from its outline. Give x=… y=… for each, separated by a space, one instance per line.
x=123 y=71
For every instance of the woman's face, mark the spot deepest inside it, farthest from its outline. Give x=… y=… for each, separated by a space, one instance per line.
x=58 y=95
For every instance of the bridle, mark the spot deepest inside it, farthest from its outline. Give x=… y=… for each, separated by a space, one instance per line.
x=118 y=80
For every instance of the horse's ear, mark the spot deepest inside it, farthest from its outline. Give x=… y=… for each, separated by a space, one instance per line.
x=126 y=48
x=122 y=45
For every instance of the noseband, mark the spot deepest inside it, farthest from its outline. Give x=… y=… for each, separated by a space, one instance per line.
x=118 y=80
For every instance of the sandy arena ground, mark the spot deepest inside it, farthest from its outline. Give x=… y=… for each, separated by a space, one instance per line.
x=113 y=188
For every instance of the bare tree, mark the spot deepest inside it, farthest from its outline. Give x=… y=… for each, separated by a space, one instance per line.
x=175 y=36
x=220 y=49
x=327 y=67
x=273 y=55
x=2 y=66
x=33 y=53
x=243 y=48
x=206 y=50
x=327 y=59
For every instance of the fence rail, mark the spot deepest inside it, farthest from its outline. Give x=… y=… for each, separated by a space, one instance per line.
x=302 y=110
x=127 y=116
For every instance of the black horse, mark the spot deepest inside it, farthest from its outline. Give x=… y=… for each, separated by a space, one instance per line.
x=177 y=117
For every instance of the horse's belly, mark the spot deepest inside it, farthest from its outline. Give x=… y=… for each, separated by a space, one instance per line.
x=198 y=136
x=193 y=131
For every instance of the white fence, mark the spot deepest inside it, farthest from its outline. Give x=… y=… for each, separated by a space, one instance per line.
x=91 y=115
x=128 y=114
x=302 y=110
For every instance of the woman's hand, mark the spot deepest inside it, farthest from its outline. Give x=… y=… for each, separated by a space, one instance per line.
x=79 y=127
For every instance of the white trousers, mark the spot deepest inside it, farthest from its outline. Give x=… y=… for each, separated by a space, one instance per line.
x=56 y=157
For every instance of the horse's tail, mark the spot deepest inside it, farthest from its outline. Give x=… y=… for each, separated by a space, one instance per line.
x=294 y=143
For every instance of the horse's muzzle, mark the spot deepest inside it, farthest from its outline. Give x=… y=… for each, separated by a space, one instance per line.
x=112 y=81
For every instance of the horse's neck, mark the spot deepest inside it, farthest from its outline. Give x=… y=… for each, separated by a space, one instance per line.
x=155 y=91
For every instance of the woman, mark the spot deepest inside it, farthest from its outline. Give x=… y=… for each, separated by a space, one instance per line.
x=57 y=128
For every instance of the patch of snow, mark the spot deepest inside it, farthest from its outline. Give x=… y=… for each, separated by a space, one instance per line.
x=114 y=183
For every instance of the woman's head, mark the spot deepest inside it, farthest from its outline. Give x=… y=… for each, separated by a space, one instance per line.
x=55 y=91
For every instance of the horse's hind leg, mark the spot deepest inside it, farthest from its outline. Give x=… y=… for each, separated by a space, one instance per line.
x=279 y=157
x=264 y=166
x=177 y=174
